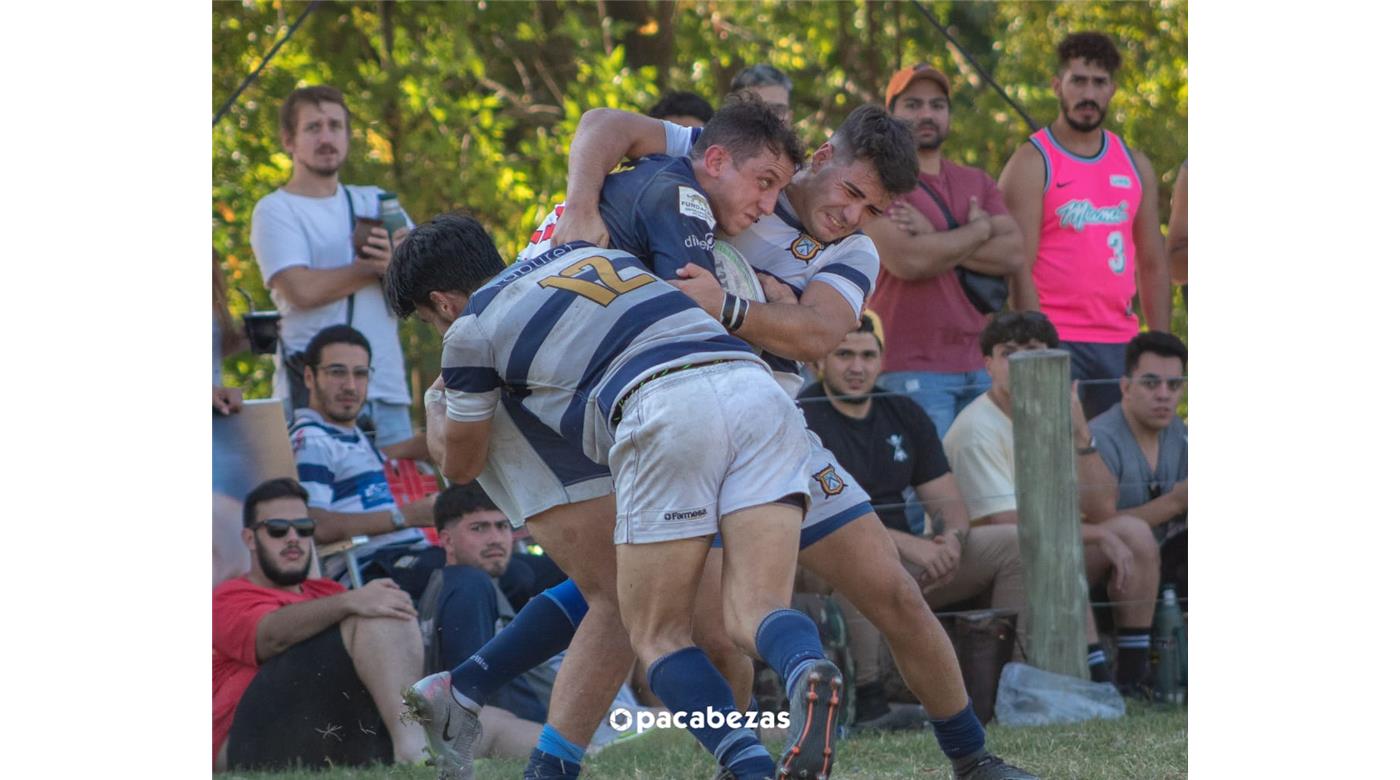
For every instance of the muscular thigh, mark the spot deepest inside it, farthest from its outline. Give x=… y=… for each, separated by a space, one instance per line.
x=578 y=537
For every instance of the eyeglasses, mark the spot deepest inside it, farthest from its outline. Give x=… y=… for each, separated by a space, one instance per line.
x=278 y=528
x=340 y=373
x=1152 y=382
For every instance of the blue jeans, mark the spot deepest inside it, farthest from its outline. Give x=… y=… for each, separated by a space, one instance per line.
x=941 y=396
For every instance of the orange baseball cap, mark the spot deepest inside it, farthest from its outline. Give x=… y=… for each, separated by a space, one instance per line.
x=901 y=80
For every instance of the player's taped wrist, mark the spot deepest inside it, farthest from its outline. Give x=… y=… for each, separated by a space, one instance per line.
x=733 y=312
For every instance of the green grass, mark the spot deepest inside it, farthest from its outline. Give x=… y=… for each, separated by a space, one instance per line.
x=1149 y=744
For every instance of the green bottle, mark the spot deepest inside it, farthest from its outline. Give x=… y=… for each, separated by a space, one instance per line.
x=1167 y=631
x=391 y=213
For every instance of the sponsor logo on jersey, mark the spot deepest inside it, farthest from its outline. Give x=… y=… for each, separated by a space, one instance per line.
x=693 y=204
x=686 y=514
x=695 y=242
x=1120 y=181
x=1078 y=213
x=804 y=247
x=831 y=482
x=298 y=441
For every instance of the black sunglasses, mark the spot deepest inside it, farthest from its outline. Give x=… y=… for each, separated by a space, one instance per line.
x=278 y=528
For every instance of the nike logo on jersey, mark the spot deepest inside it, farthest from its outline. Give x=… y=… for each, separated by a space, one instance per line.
x=1060 y=184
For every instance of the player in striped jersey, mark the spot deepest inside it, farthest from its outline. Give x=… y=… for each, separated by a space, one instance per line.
x=598 y=349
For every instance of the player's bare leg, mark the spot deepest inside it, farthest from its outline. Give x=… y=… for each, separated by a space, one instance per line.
x=711 y=636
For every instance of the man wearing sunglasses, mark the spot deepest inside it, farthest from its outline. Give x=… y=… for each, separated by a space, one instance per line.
x=342 y=470
x=1143 y=442
x=304 y=670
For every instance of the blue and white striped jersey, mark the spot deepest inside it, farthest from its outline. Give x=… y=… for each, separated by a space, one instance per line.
x=569 y=333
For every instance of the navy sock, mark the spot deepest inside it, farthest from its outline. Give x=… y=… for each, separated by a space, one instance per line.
x=1098 y=664
x=787 y=639
x=960 y=735
x=543 y=765
x=1133 y=645
x=542 y=630
x=686 y=681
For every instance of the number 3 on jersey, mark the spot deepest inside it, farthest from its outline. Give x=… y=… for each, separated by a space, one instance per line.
x=1117 y=262
x=609 y=285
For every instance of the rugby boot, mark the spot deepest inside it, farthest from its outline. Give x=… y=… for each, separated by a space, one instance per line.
x=982 y=765
x=451 y=728
x=814 y=708
x=725 y=773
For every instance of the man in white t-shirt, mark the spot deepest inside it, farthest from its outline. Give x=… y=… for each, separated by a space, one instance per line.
x=302 y=237
x=1118 y=549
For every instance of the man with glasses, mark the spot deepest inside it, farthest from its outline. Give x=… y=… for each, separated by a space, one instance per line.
x=1143 y=442
x=770 y=85
x=1119 y=549
x=342 y=470
x=304 y=670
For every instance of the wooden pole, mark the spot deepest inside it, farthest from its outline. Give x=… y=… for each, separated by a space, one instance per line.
x=1047 y=504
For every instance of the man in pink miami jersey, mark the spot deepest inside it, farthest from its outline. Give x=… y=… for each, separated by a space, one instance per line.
x=1087 y=207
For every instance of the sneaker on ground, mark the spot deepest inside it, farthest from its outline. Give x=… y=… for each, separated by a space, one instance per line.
x=452 y=729
x=982 y=765
x=814 y=708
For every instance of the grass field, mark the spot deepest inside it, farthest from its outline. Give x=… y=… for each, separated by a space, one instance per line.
x=1149 y=744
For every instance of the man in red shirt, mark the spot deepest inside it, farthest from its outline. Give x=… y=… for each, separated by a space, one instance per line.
x=954 y=218
x=305 y=670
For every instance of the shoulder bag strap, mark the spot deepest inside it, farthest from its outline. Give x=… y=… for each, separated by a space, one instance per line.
x=350 y=299
x=943 y=207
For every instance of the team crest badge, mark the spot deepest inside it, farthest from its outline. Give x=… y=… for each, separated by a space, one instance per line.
x=830 y=481
x=805 y=247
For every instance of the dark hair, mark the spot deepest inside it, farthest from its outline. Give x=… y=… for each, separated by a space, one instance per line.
x=867 y=325
x=458 y=500
x=451 y=253
x=760 y=75
x=744 y=125
x=871 y=133
x=334 y=334
x=682 y=104
x=1094 y=48
x=1157 y=343
x=271 y=490
x=1018 y=327
x=313 y=95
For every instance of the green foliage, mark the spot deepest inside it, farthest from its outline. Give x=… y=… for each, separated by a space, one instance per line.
x=472 y=105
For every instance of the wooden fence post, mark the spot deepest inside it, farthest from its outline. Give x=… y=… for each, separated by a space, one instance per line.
x=1047 y=503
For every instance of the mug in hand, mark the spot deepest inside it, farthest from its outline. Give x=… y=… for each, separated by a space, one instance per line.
x=261 y=328
x=362 y=227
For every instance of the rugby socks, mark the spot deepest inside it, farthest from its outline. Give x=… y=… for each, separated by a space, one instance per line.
x=1133 y=644
x=686 y=681
x=542 y=630
x=960 y=735
x=1098 y=664
x=788 y=641
x=554 y=756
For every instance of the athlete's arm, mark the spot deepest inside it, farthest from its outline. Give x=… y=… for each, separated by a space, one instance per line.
x=804 y=331
x=1023 y=185
x=1154 y=280
x=464 y=450
x=1176 y=229
x=604 y=137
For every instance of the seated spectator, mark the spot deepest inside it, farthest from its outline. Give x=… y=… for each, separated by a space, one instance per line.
x=1143 y=443
x=889 y=444
x=1119 y=549
x=341 y=469
x=771 y=85
x=305 y=671
x=684 y=108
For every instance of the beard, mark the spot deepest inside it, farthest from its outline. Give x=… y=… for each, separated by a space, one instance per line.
x=841 y=397
x=267 y=561
x=1082 y=127
x=325 y=172
x=328 y=403
x=932 y=143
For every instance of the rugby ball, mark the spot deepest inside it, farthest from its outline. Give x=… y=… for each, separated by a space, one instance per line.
x=735 y=274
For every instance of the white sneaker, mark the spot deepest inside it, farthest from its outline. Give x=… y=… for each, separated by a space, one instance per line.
x=451 y=728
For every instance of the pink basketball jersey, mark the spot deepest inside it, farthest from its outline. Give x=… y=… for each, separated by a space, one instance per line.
x=1085 y=268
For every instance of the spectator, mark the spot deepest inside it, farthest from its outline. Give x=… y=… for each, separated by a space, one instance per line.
x=1117 y=548
x=341 y=469
x=683 y=108
x=1143 y=442
x=227 y=340
x=889 y=445
x=302 y=238
x=305 y=671
x=771 y=85
x=1176 y=229
x=954 y=219
x=1087 y=207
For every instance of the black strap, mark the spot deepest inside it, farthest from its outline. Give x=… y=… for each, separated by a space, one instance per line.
x=350 y=299
x=947 y=212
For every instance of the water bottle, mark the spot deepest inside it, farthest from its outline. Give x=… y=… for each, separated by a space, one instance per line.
x=1166 y=649
x=391 y=213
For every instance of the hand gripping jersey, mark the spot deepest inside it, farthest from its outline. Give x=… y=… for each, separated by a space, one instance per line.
x=1085 y=267
x=564 y=336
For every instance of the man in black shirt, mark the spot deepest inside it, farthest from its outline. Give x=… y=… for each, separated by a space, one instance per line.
x=888 y=443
